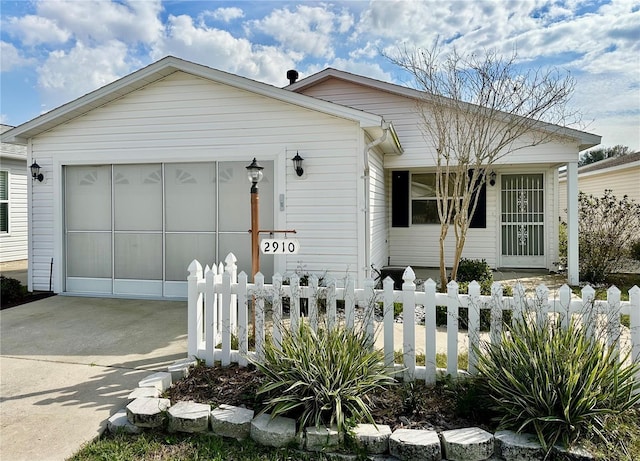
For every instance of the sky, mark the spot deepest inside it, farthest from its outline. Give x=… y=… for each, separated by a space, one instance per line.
x=54 y=51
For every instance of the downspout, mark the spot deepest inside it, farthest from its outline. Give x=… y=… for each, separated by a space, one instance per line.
x=367 y=180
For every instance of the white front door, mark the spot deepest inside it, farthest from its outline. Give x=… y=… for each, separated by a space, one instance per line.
x=522 y=220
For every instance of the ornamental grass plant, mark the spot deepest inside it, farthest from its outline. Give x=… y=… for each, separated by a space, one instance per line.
x=563 y=383
x=323 y=377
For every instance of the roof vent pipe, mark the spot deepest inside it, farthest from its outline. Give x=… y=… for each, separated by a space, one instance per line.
x=292 y=75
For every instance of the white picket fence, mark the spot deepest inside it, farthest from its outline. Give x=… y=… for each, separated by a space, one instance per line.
x=219 y=300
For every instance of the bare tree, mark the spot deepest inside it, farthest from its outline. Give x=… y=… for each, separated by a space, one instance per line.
x=477 y=109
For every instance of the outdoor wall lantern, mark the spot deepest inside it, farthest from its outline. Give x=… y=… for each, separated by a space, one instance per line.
x=35 y=172
x=297 y=164
x=492 y=178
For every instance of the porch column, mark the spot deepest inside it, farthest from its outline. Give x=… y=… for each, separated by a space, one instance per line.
x=573 y=273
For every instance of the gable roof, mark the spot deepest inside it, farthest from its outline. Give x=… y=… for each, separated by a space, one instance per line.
x=624 y=161
x=585 y=140
x=373 y=124
x=12 y=151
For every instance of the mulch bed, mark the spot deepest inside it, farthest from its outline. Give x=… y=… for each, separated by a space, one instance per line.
x=410 y=406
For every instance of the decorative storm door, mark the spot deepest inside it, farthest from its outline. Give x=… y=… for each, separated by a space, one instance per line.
x=522 y=220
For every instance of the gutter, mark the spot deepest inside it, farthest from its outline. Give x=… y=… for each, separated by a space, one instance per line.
x=386 y=126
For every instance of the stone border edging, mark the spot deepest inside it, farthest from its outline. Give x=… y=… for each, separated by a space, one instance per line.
x=147 y=410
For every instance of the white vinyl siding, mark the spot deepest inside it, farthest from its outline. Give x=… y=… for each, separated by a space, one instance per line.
x=13 y=239
x=379 y=220
x=183 y=118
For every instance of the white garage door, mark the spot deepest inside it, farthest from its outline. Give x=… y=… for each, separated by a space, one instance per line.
x=134 y=229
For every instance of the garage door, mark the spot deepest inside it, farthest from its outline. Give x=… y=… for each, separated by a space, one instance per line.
x=134 y=229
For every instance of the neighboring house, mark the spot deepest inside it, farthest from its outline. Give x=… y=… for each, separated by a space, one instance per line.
x=619 y=174
x=149 y=172
x=13 y=200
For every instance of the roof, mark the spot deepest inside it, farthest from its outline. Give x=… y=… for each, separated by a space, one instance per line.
x=623 y=160
x=585 y=140
x=371 y=123
x=12 y=151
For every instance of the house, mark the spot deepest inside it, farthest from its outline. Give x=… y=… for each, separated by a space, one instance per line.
x=618 y=174
x=149 y=172
x=13 y=200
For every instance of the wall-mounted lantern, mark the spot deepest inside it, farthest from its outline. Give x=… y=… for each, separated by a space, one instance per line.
x=492 y=178
x=35 y=172
x=297 y=164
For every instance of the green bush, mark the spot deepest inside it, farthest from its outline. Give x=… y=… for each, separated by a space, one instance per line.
x=11 y=290
x=557 y=382
x=323 y=377
x=474 y=269
x=635 y=250
x=607 y=228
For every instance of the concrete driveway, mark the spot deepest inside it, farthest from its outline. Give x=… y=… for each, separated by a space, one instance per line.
x=68 y=363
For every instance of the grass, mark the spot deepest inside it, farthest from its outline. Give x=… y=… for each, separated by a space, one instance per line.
x=159 y=446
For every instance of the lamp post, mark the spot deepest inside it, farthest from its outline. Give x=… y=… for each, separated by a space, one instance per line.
x=254 y=173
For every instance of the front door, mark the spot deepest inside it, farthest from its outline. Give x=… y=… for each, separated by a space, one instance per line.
x=522 y=220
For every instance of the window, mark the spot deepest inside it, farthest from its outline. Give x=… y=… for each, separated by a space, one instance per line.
x=4 y=202
x=414 y=200
x=424 y=202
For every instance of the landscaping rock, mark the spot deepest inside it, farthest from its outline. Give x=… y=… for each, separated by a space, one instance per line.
x=573 y=453
x=512 y=446
x=468 y=444
x=147 y=412
x=322 y=438
x=273 y=432
x=118 y=422
x=188 y=417
x=160 y=380
x=415 y=445
x=373 y=440
x=180 y=369
x=151 y=392
x=230 y=421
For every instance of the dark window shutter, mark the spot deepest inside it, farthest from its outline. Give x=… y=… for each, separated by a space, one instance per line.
x=479 y=218
x=400 y=198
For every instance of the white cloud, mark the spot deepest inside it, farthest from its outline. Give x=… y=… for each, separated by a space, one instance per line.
x=34 y=30
x=10 y=58
x=308 y=29
x=225 y=14
x=65 y=76
x=99 y=21
x=221 y=50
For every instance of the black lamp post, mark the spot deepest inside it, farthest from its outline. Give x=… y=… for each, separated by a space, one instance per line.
x=254 y=173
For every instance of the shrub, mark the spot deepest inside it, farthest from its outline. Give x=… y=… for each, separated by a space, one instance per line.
x=635 y=250
x=11 y=290
x=607 y=228
x=322 y=377
x=474 y=269
x=557 y=382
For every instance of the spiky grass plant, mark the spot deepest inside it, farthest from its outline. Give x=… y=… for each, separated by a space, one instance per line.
x=560 y=383
x=323 y=377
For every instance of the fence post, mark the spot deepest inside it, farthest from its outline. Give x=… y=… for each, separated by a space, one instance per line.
x=542 y=301
x=258 y=300
x=349 y=302
x=519 y=302
x=331 y=304
x=634 y=326
x=452 y=328
x=243 y=320
x=565 y=300
x=232 y=268
x=369 y=309
x=388 y=311
x=496 y=313
x=430 y=331
x=589 y=313
x=209 y=317
x=474 y=324
x=277 y=310
x=226 y=319
x=294 y=303
x=313 y=302
x=194 y=307
x=408 y=323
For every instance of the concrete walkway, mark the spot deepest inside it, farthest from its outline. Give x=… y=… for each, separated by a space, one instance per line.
x=68 y=363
